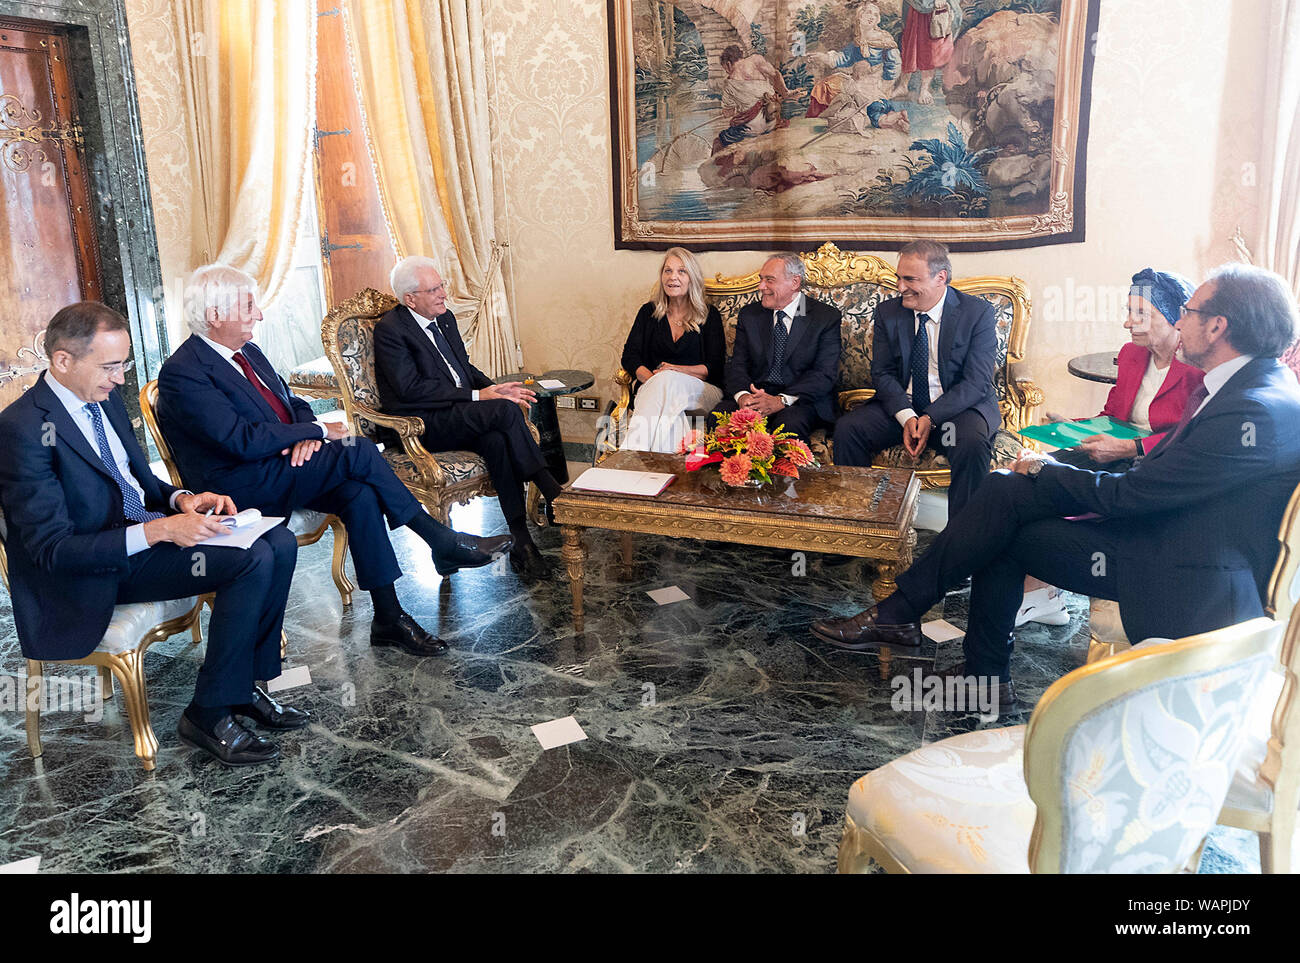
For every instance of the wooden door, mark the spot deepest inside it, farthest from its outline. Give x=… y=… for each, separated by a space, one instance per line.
x=356 y=251
x=49 y=255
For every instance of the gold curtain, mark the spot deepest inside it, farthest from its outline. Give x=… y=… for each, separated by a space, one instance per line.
x=1277 y=246
x=249 y=69
x=423 y=79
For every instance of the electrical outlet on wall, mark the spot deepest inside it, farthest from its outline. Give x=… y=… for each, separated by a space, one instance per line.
x=566 y=401
x=587 y=404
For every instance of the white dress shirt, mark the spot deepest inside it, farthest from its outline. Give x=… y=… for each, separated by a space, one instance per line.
x=136 y=540
x=229 y=355
x=1218 y=376
x=1152 y=379
x=790 y=310
x=932 y=333
x=424 y=324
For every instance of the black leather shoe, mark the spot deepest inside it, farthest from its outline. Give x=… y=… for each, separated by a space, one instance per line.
x=529 y=562
x=229 y=742
x=471 y=551
x=269 y=714
x=407 y=635
x=862 y=633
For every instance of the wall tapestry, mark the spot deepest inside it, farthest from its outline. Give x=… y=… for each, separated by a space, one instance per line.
x=743 y=123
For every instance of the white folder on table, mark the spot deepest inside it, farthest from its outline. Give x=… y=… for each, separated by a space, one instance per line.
x=623 y=482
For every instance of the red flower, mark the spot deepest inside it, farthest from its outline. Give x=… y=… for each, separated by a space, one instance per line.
x=735 y=470
x=760 y=445
x=693 y=440
x=799 y=453
x=784 y=466
x=742 y=420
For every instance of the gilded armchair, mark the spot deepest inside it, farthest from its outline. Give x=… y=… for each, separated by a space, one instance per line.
x=438 y=479
x=119 y=655
x=1122 y=768
x=856 y=284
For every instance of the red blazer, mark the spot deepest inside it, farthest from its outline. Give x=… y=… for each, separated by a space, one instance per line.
x=1167 y=407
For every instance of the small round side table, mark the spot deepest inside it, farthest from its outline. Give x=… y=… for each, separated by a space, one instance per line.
x=544 y=415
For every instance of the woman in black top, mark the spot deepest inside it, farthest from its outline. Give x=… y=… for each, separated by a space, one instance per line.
x=676 y=351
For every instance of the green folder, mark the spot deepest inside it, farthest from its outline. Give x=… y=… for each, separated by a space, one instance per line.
x=1067 y=434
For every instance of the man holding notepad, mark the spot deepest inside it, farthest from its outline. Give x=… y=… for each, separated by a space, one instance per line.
x=90 y=527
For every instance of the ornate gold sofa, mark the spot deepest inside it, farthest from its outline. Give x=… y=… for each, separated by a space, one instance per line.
x=439 y=480
x=856 y=284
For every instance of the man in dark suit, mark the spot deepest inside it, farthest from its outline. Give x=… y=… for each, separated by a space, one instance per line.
x=1187 y=537
x=787 y=352
x=232 y=423
x=933 y=353
x=423 y=369
x=90 y=527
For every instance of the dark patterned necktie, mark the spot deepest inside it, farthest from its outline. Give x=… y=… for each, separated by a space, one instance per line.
x=1193 y=403
x=921 y=366
x=267 y=394
x=132 y=507
x=444 y=348
x=779 y=337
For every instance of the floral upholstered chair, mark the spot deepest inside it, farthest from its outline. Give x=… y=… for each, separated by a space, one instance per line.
x=857 y=284
x=1123 y=768
x=438 y=479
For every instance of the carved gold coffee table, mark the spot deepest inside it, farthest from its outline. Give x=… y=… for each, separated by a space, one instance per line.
x=864 y=512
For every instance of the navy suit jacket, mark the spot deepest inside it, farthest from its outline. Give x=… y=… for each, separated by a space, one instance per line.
x=1197 y=520
x=812 y=355
x=968 y=353
x=411 y=374
x=221 y=431
x=66 y=532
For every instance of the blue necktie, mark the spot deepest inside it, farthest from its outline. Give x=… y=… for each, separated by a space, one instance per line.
x=779 y=336
x=921 y=366
x=444 y=349
x=132 y=507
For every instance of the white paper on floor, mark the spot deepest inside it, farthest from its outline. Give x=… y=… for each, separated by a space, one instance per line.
x=666 y=595
x=941 y=630
x=25 y=866
x=559 y=732
x=289 y=679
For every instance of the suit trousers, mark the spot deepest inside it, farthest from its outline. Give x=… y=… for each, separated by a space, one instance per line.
x=801 y=418
x=349 y=479
x=496 y=430
x=251 y=588
x=1010 y=529
x=868 y=429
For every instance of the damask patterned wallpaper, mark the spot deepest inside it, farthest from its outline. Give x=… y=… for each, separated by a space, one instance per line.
x=1173 y=139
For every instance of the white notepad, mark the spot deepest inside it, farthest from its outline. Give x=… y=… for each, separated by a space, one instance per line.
x=623 y=482
x=244 y=529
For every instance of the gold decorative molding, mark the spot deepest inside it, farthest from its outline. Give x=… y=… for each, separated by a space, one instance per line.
x=20 y=126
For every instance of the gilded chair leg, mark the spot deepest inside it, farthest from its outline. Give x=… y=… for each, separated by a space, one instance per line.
x=129 y=670
x=534 y=508
x=284 y=644
x=341 y=580
x=1275 y=845
x=35 y=687
x=105 y=684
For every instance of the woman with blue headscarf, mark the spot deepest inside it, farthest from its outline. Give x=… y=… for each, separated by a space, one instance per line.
x=1151 y=390
x=1152 y=386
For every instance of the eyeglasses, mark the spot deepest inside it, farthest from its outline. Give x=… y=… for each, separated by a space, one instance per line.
x=440 y=287
x=117 y=367
x=1186 y=311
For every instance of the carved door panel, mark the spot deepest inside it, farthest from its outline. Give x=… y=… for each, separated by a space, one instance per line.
x=49 y=255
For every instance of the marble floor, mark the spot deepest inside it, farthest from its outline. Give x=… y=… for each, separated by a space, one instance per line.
x=721 y=736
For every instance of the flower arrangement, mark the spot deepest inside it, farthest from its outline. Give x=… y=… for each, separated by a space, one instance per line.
x=745 y=451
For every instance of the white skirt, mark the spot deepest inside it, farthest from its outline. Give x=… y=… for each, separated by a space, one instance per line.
x=659 y=422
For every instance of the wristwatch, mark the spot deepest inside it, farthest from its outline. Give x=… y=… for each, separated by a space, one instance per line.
x=1033 y=470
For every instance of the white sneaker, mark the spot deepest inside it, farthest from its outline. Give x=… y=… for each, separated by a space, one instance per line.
x=1040 y=606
